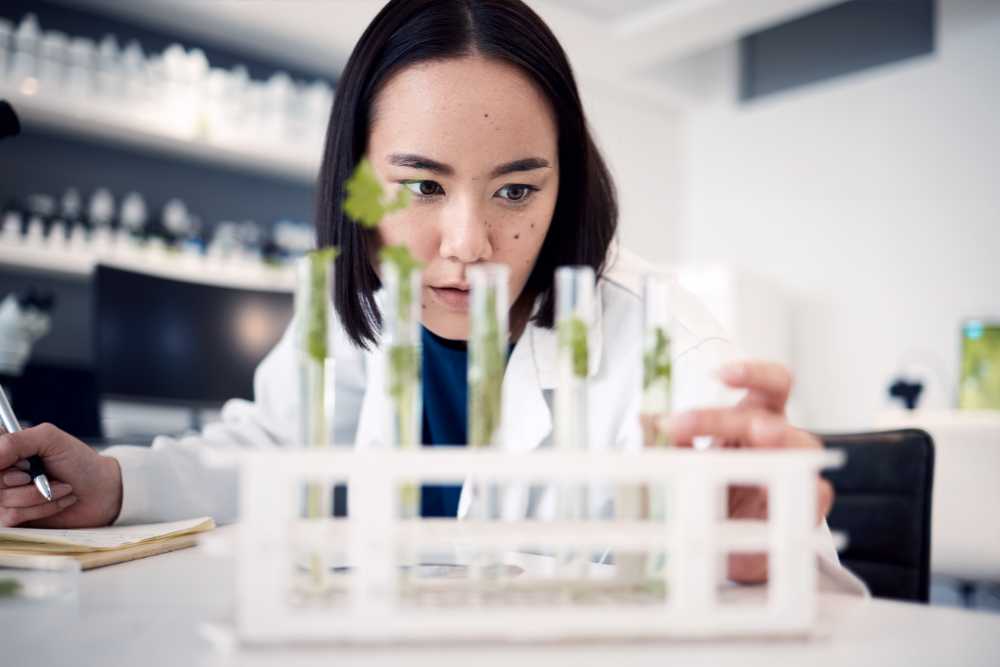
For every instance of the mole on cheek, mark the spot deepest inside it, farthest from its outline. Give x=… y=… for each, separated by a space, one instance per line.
x=517 y=236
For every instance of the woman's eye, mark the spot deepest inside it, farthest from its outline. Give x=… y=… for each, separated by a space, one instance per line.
x=424 y=188
x=516 y=193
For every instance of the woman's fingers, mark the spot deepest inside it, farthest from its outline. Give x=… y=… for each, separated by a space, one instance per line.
x=745 y=427
x=15 y=516
x=14 y=477
x=768 y=383
x=750 y=428
x=28 y=495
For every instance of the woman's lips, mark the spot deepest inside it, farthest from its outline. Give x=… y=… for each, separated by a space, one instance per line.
x=452 y=297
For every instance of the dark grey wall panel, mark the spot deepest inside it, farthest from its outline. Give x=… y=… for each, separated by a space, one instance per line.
x=842 y=39
x=70 y=339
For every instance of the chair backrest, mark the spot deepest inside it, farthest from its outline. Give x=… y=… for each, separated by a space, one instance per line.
x=883 y=504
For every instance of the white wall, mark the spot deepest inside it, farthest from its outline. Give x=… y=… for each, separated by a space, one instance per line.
x=641 y=142
x=875 y=199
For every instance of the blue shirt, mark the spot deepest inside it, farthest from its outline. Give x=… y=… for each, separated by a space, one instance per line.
x=446 y=413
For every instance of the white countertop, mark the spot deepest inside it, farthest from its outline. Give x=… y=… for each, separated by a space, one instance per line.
x=154 y=612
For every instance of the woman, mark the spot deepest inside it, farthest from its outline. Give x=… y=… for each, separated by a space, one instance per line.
x=472 y=106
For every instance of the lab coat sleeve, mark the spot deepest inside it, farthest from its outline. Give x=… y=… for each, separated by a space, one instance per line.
x=170 y=480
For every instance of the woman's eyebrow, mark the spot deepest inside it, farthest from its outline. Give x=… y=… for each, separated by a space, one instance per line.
x=524 y=164
x=419 y=162
x=415 y=161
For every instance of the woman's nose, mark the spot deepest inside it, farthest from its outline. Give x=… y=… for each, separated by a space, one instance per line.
x=465 y=235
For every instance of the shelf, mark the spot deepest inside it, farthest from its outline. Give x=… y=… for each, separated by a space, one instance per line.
x=80 y=265
x=96 y=119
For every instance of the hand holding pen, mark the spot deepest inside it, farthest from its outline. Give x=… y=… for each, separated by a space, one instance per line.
x=85 y=487
x=33 y=465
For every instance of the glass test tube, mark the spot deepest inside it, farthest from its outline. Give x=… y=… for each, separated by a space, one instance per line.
x=315 y=322
x=574 y=314
x=488 y=333
x=656 y=361
x=403 y=386
x=657 y=393
x=488 y=336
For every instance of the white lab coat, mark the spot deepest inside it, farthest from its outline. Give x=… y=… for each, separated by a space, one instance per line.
x=169 y=481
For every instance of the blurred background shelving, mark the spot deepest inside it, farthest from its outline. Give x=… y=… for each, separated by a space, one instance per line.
x=77 y=265
x=47 y=112
x=219 y=145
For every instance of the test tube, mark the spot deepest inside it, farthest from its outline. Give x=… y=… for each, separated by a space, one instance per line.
x=403 y=387
x=488 y=336
x=314 y=334
x=657 y=394
x=574 y=314
x=656 y=360
x=488 y=312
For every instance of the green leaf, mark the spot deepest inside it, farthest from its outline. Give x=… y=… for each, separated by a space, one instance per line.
x=400 y=256
x=405 y=263
x=365 y=202
x=9 y=588
x=487 y=361
x=320 y=262
x=573 y=336
x=656 y=361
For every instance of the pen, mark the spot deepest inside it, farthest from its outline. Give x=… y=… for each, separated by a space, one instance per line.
x=35 y=468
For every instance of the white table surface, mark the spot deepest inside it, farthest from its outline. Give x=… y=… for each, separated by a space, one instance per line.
x=153 y=612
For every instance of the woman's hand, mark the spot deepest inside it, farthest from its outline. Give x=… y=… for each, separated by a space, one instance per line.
x=86 y=487
x=758 y=421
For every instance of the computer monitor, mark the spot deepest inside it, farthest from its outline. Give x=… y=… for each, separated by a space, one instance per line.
x=979 y=386
x=183 y=343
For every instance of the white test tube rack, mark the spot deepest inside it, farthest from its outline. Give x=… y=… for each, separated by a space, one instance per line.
x=695 y=537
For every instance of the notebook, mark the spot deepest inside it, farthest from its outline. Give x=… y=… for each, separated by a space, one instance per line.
x=96 y=547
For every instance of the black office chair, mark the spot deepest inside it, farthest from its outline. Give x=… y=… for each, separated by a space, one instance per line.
x=883 y=504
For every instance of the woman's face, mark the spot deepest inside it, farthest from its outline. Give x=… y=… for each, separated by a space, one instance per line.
x=476 y=144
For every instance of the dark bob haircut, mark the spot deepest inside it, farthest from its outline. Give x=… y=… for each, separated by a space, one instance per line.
x=406 y=32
